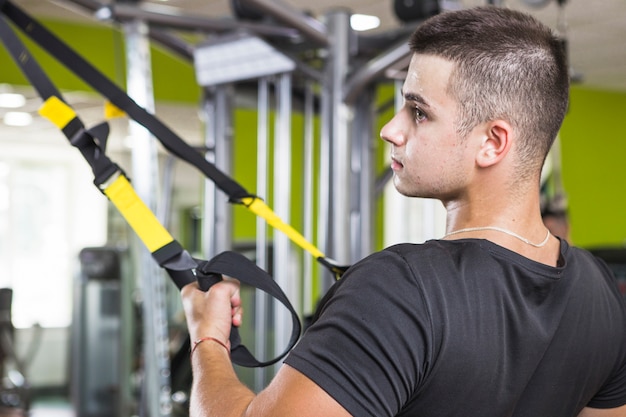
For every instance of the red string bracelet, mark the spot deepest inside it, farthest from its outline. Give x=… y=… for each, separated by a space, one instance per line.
x=203 y=339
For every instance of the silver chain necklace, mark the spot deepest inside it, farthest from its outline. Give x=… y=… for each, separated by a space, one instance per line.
x=499 y=229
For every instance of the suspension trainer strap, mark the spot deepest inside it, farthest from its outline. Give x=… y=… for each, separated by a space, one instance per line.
x=112 y=181
x=172 y=142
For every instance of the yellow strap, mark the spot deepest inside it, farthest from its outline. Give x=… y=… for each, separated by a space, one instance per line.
x=57 y=112
x=137 y=214
x=258 y=207
x=111 y=111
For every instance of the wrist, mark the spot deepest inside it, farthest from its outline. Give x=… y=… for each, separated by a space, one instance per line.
x=208 y=340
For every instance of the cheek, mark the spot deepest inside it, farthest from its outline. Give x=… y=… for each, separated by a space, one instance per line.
x=435 y=150
x=423 y=144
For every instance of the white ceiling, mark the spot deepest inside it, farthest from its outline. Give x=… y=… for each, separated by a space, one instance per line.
x=596 y=28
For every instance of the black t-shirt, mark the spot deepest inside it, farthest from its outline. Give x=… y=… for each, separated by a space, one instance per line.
x=469 y=328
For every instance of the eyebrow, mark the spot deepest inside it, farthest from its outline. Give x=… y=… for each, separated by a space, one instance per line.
x=415 y=98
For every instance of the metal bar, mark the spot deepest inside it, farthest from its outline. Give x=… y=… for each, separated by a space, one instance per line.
x=339 y=27
x=324 y=188
x=173 y=43
x=224 y=159
x=91 y=5
x=145 y=171
x=124 y=12
x=374 y=69
x=164 y=207
x=283 y=270
x=309 y=27
x=303 y=68
x=210 y=191
x=361 y=216
x=217 y=215
x=308 y=152
x=261 y=299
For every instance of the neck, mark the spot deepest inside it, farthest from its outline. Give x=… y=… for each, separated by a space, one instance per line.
x=504 y=217
x=497 y=205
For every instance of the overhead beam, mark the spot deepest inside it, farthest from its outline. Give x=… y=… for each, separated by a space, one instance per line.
x=126 y=12
x=374 y=69
x=309 y=27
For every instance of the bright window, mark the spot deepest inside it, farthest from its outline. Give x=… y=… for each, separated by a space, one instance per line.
x=47 y=215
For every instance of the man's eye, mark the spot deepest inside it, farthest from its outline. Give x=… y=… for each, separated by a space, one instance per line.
x=418 y=114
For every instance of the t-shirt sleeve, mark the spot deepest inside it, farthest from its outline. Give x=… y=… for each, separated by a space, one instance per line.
x=370 y=345
x=613 y=392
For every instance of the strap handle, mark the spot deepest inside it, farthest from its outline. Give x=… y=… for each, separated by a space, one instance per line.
x=238 y=266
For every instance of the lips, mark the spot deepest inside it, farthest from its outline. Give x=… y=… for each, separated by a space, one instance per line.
x=396 y=164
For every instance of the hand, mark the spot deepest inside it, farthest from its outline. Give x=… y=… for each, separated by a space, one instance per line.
x=212 y=313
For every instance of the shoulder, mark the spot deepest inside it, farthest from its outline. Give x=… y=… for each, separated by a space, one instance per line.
x=371 y=342
x=594 y=268
x=400 y=275
x=430 y=254
x=399 y=266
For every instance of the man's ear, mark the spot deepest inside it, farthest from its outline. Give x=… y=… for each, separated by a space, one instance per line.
x=497 y=139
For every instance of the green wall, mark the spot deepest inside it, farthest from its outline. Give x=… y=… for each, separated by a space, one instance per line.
x=103 y=47
x=245 y=166
x=593 y=146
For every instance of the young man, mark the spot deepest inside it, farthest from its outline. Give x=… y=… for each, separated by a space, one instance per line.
x=499 y=317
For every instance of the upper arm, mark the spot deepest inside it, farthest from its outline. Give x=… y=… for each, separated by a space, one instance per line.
x=291 y=393
x=600 y=412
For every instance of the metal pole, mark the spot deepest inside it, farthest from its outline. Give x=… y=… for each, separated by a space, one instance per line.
x=125 y=12
x=309 y=150
x=210 y=191
x=362 y=177
x=375 y=68
x=337 y=69
x=324 y=190
x=309 y=27
x=164 y=207
x=145 y=170
x=217 y=217
x=261 y=299
x=283 y=268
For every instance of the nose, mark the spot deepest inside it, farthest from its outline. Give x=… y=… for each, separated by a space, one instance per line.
x=392 y=131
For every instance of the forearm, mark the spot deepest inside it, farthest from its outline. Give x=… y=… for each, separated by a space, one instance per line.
x=216 y=391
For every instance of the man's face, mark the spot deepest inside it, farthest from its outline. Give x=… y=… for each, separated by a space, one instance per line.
x=428 y=158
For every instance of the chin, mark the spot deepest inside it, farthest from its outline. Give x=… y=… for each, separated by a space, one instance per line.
x=407 y=192
x=412 y=192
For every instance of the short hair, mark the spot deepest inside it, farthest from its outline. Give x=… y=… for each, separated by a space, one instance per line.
x=508 y=65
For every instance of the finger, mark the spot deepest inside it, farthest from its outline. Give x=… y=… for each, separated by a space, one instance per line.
x=189 y=288
x=237 y=314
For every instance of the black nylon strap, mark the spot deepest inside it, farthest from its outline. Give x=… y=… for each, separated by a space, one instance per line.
x=235 y=265
x=24 y=59
x=90 y=75
x=75 y=131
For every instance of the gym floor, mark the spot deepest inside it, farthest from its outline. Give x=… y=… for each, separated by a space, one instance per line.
x=51 y=409
x=42 y=408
